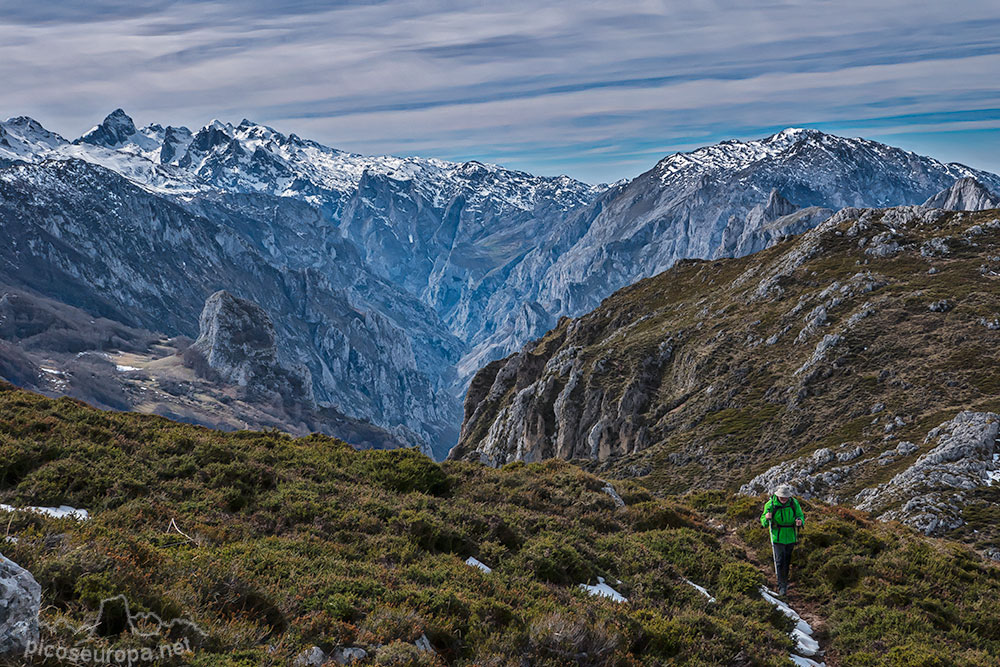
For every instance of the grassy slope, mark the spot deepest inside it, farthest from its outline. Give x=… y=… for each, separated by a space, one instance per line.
x=306 y=541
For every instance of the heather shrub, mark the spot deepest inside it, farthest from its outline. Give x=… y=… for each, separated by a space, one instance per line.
x=556 y=560
x=740 y=579
x=272 y=544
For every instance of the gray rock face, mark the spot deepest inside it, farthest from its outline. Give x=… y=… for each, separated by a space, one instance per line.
x=966 y=194
x=615 y=498
x=554 y=412
x=348 y=655
x=800 y=474
x=175 y=144
x=85 y=236
x=311 y=657
x=238 y=340
x=20 y=599
x=928 y=494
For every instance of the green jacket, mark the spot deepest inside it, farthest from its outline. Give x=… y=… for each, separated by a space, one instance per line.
x=782 y=526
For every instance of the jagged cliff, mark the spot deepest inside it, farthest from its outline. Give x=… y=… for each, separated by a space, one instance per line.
x=967 y=194
x=88 y=237
x=237 y=339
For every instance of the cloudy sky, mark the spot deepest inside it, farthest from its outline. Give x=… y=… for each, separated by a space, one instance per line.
x=597 y=90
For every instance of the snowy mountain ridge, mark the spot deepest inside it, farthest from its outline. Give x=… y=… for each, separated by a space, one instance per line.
x=250 y=157
x=733 y=155
x=458 y=264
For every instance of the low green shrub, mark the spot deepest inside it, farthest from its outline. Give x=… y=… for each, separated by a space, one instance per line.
x=272 y=544
x=556 y=560
x=404 y=471
x=740 y=579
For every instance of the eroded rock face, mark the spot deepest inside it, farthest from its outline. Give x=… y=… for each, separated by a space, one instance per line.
x=20 y=598
x=237 y=339
x=89 y=238
x=114 y=131
x=558 y=408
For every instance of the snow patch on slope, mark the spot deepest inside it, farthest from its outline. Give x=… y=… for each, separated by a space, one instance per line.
x=61 y=512
x=472 y=562
x=603 y=590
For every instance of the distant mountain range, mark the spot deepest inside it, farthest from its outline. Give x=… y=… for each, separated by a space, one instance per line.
x=393 y=280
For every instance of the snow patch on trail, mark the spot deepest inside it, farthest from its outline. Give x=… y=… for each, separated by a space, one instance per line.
x=472 y=562
x=61 y=512
x=802 y=634
x=806 y=662
x=701 y=589
x=602 y=589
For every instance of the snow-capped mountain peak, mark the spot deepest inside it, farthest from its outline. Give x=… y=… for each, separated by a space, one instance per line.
x=219 y=125
x=794 y=133
x=252 y=157
x=22 y=137
x=114 y=131
x=733 y=154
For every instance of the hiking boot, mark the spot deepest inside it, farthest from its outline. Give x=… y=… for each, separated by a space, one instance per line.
x=783 y=589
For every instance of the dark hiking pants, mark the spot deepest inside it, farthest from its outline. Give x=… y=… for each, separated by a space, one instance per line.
x=782 y=559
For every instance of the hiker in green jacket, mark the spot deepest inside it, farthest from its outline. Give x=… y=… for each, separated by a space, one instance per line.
x=783 y=515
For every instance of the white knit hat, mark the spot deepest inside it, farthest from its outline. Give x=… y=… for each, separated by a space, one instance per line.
x=784 y=491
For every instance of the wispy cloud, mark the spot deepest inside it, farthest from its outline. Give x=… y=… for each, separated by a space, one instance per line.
x=594 y=89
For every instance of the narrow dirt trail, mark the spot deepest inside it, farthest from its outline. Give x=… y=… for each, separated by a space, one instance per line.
x=808 y=611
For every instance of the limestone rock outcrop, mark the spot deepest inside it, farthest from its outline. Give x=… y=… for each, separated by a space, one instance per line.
x=237 y=339
x=20 y=598
x=928 y=494
x=967 y=194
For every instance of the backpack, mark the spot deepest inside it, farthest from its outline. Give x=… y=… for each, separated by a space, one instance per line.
x=775 y=506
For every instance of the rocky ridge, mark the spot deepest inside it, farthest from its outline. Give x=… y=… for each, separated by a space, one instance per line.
x=928 y=494
x=967 y=194
x=715 y=373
